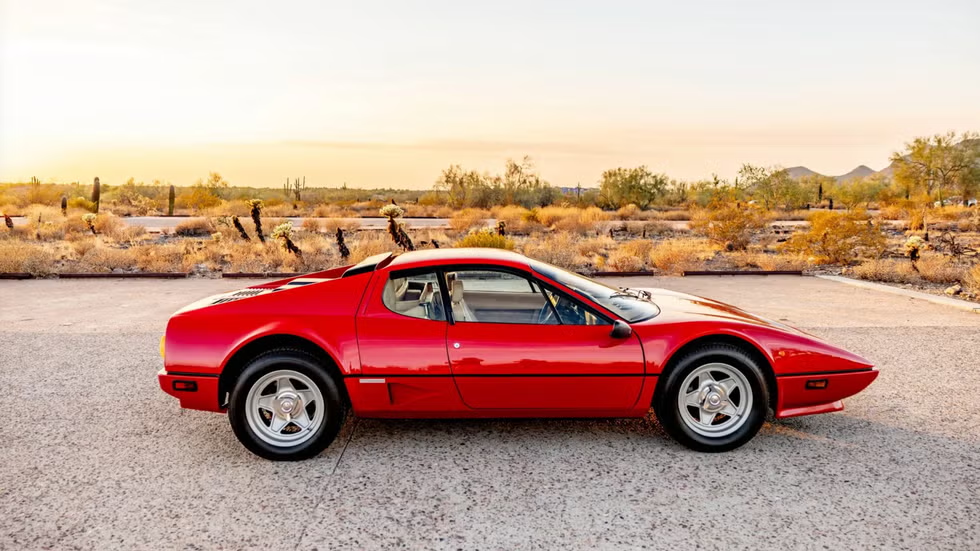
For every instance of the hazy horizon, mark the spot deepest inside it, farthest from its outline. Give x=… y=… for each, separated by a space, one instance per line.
x=386 y=94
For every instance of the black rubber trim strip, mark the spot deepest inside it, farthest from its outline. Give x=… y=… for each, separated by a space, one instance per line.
x=818 y=373
x=185 y=374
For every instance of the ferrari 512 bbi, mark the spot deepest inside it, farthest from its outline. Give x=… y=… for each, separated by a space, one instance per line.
x=482 y=333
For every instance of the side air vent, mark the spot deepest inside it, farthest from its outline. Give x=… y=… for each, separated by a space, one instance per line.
x=225 y=299
x=247 y=293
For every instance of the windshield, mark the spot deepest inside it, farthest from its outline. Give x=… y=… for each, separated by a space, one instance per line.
x=629 y=304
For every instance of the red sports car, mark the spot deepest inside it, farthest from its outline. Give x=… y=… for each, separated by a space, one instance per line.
x=465 y=333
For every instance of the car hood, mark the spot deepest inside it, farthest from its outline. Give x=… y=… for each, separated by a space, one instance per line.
x=675 y=306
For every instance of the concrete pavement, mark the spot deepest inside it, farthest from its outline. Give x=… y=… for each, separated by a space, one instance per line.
x=94 y=456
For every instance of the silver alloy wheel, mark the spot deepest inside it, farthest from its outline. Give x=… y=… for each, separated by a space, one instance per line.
x=715 y=400
x=284 y=408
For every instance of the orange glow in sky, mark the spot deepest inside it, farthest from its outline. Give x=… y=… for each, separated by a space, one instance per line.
x=387 y=94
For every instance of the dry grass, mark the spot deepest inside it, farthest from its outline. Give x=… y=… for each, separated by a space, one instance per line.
x=595 y=245
x=22 y=257
x=972 y=279
x=194 y=227
x=675 y=256
x=516 y=219
x=557 y=248
x=886 y=270
x=625 y=260
x=571 y=219
x=486 y=238
x=937 y=268
x=370 y=244
x=467 y=219
x=768 y=261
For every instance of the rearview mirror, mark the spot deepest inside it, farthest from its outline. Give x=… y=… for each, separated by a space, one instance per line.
x=621 y=330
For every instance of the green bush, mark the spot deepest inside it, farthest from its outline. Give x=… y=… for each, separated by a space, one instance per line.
x=486 y=238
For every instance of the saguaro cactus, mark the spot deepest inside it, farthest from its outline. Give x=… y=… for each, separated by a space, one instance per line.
x=96 y=193
x=170 y=200
x=64 y=205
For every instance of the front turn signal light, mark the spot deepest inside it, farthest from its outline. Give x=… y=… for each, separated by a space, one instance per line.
x=163 y=343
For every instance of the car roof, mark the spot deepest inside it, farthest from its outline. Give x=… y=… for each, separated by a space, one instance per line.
x=436 y=257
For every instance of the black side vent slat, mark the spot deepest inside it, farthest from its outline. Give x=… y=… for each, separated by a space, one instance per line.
x=226 y=299
x=248 y=293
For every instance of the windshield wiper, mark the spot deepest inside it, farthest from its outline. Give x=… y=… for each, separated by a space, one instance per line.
x=632 y=293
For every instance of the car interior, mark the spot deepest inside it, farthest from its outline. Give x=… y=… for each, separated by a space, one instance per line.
x=485 y=296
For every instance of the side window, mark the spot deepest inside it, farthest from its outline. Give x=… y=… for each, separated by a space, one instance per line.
x=416 y=295
x=496 y=296
x=572 y=312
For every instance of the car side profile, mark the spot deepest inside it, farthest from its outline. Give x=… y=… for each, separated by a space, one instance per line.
x=483 y=333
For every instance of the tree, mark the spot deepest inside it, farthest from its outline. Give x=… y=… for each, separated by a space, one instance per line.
x=939 y=164
x=623 y=186
x=856 y=191
x=773 y=186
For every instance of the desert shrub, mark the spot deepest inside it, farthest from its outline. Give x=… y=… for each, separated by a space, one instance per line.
x=639 y=247
x=623 y=259
x=516 y=219
x=886 y=270
x=194 y=227
x=466 y=219
x=571 y=219
x=486 y=237
x=892 y=212
x=917 y=219
x=330 y=225
x=951 y=213
x=110 y=225
x=676 y=256
x=558 y=249
x=629 y=212
x=18 y=256
x=838 y=238
x=444 y=212
x=312 y=225
x=80 y=203
x=729 y=224
x=197 y=198
x=971 y=280
x=107 y=259
x=595 y=245
x=937 y=268
x=767 y=261
x=370 y=244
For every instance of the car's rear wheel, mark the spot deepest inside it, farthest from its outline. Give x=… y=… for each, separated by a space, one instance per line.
x=713 y=399
x=285 y=406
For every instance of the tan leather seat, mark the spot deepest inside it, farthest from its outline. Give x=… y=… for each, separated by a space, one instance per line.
x=461 y=312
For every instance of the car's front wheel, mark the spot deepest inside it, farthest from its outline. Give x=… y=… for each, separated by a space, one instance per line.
x=714 y=398
x=285 y=406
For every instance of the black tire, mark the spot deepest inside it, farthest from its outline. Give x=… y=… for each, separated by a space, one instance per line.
x=301 y=362
x=665 y=401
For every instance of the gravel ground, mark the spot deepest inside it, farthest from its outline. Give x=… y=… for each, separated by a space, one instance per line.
x=95 y=456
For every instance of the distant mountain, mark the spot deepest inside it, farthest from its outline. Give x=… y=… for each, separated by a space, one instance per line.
x=797 y=172
x=862 y=171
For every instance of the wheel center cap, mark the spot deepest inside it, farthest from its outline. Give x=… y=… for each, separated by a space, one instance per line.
x=289 y=403
x=714 y=399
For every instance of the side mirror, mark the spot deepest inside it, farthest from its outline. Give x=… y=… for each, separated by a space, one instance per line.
x=621 y=330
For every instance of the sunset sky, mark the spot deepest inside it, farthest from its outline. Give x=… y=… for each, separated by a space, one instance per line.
x=378 y=93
